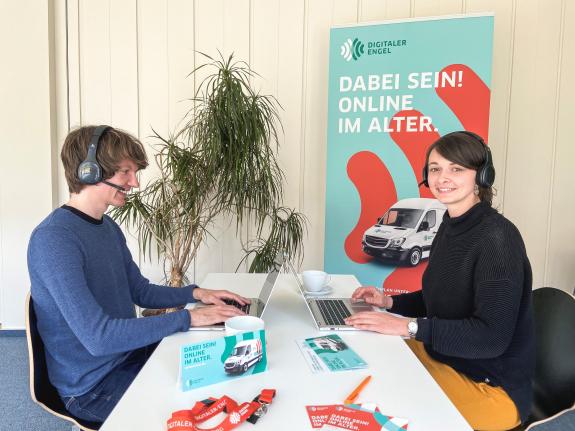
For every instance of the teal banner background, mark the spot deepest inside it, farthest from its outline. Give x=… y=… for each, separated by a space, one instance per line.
x=413 y=46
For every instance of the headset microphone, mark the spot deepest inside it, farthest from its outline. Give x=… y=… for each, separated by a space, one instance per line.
x=114 y=185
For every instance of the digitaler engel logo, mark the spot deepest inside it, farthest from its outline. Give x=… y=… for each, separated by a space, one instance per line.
x=351 y=49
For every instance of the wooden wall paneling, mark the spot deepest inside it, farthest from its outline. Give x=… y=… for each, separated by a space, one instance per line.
x=61 y=111
x=396 y=9
x=124 y=89
x=321 y=15
x=124 y=66
x=95 y=76
x=73 y=53
x=289 y=93
x=264 y=55
x=560 y=254
x=221 y=27
x=180 y=41
x=209 y=37
x=237 y=39
x=532 y=124
x=264 y=59
x=437 y=7
x=26 y=145
x=501 y=81
x=153 y=100
x=372 y=10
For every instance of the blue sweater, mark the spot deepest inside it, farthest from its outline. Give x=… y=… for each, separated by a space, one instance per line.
x=84 y=287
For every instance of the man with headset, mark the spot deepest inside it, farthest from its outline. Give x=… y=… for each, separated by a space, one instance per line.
x=84 y=283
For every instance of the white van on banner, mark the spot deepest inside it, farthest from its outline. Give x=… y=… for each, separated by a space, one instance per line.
x=405 y=232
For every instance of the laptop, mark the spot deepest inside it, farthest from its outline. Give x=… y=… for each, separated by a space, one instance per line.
x=328 y=313
x=256 y=307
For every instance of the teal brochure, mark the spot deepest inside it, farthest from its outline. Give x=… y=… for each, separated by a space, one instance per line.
x=222 y=359
x=329 y=353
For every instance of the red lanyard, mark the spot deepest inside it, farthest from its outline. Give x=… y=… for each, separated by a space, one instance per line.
x=187 y=420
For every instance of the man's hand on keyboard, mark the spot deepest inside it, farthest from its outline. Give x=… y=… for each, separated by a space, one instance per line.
x=213 y=314
x=216 y=297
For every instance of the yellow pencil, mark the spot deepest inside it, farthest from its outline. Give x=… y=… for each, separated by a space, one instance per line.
x=351 y=397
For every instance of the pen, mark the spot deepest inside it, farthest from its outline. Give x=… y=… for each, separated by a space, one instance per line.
x=351 y=397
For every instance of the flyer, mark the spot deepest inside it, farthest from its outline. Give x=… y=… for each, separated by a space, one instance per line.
x=337 y=417
x=222 y=359
x=329 y=353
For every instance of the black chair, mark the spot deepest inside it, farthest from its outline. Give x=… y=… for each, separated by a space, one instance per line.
x=41 y=390
x=562 y=421
x=554 y=381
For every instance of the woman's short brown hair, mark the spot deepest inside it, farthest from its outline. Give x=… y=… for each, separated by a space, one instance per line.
x=465 y=149
x=114 y=146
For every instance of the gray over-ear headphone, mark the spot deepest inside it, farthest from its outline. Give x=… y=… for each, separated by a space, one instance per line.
x=485 y=175
x=90 y=171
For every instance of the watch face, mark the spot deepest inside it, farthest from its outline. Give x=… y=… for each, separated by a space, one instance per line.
x=412 y=328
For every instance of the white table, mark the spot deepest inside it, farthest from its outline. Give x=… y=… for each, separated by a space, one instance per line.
x=400 y=385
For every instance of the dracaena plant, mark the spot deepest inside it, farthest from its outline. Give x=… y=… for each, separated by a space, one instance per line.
x=222 y=162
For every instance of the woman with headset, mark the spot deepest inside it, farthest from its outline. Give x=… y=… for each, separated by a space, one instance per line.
x=471 y=324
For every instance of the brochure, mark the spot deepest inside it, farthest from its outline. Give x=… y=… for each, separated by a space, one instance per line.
x=329 y=353
x=337 y=417
x=222 y=359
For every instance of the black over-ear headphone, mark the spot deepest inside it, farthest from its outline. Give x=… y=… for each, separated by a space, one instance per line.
x=89 y=171
x=485 y=175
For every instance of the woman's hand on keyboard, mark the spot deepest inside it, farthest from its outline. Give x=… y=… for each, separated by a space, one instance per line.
x=379 y=321
x=372 y=296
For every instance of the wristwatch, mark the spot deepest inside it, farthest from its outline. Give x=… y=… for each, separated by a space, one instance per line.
x=412 y=328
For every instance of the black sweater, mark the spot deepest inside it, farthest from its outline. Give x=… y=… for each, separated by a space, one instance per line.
x=474 y=311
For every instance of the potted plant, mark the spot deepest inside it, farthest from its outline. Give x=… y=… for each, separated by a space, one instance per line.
x=221 y=162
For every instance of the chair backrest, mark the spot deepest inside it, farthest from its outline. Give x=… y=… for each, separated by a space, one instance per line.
x=562 y=421
x=41 y=390
x=554 y=382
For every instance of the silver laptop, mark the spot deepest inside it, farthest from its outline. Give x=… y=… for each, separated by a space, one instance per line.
x=328 y=313
x=256 y=307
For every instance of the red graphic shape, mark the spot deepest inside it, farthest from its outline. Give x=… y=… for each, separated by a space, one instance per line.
x=376 y=193
x=470 y=102
x=404 y=280
x=414 y=146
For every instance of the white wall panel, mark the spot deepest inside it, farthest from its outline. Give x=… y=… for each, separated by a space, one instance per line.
x=222 y=28
x=560 y=250
x=95 y=62
x=502 y=69
x=437 y=7
x=123 y=48
x=26 y=145
x=321 y=15
x=290 y=95
x=396 y=9
x=153 y=90
x=532 y=122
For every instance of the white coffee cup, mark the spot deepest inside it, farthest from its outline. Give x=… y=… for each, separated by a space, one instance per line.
x=314 y=281
x=238 y=324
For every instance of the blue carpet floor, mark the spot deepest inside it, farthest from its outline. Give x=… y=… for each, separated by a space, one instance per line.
x=17 y=410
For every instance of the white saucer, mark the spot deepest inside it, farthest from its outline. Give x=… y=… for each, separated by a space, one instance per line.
x=325 y=291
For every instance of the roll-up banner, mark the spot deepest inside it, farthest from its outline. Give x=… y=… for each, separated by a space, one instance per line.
x=394 y=88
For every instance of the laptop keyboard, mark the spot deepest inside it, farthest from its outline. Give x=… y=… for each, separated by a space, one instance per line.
x=333 y=311
x=245 y=308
